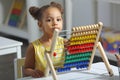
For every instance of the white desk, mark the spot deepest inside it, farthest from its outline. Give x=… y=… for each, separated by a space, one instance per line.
x=98 y=71
x=8 y=46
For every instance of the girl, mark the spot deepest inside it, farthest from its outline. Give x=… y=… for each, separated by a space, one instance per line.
x=49 y=18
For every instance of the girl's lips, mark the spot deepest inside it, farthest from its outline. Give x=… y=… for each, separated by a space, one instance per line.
x=56 y=28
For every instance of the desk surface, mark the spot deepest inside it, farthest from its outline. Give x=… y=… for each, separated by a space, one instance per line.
x=5 y=42
x=98 y=71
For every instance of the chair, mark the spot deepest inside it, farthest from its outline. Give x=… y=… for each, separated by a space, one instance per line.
x=18 y=64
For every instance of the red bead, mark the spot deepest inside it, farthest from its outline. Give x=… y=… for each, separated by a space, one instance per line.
x=16 y=11
x=54 y=54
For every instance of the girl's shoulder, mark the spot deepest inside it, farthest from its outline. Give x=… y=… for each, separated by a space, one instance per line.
x=36 y=43
x=38 y=46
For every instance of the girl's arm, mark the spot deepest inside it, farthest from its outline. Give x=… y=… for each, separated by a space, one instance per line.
x=66 y=43
x=29 y=66
x=118 y=59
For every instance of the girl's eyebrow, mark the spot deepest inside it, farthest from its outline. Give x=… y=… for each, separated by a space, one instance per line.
x=48 y=17
x=60 y=16
x=52 y=17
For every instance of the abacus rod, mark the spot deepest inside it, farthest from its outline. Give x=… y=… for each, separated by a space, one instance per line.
x=55 y=34
x=104 y=57
x=50 y=64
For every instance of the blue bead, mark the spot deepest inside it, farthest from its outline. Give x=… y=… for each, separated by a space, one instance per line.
x=12 y=23
x=77 y=67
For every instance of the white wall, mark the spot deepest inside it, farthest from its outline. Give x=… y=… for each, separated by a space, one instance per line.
x=33 y=29
x=83 y=12
x=116 y=16
x=44 y=2
x=104 y=13
x=4 y=10
x=1 y=13
x=109 y=13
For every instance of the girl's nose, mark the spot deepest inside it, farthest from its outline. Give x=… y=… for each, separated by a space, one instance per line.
x=54 y=22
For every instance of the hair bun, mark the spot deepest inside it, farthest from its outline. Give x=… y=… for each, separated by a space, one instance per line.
x=34 y=11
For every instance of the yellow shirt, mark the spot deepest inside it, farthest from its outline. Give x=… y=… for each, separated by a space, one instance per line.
x=40 y=61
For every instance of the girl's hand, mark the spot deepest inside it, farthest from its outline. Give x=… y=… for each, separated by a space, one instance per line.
x=66 y=44
x=117 y=56
x=37 y=74
x=118 y=59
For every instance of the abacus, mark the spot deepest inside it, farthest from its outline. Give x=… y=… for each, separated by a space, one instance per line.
x=83 y=42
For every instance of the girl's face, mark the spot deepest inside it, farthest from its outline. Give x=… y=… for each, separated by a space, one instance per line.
x=52 y=19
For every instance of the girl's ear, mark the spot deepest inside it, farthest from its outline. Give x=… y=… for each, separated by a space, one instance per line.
x=40 y=25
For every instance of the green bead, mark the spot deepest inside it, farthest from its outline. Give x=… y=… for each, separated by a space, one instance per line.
x=14 y=17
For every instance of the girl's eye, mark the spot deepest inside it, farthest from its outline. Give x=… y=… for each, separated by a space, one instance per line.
x=58 y=19
x=48 y=20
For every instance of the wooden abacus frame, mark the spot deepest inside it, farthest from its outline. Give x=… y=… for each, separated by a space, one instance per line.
x=83 y=31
